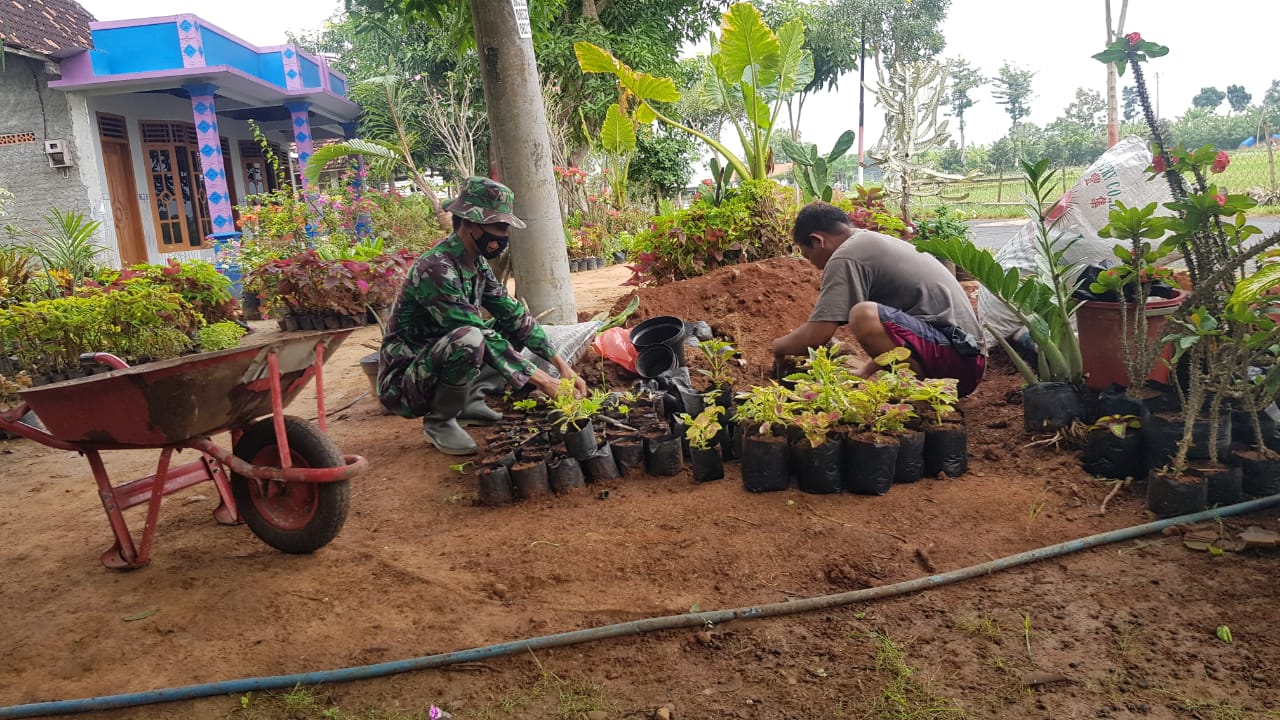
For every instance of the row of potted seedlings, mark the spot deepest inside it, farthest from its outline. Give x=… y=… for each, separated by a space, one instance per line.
x=826 y=428
x=564 y=443
x=829 y=429
x=586 y=263
x=310 y=292
x=1225 y=460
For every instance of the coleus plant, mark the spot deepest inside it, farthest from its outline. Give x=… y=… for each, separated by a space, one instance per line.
x=703 y=429
x=767 y=405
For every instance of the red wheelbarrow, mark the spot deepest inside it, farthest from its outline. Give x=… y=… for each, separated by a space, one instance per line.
x=283 y=477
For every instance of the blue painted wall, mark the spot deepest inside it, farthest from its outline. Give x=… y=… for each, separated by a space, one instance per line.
x=143 y=48
x=310 y=72
x=101 y=62
x=272 y=68
x=155 y=48
x=218 y=50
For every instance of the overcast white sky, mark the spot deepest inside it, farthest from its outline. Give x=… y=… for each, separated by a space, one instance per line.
x=1210 y=44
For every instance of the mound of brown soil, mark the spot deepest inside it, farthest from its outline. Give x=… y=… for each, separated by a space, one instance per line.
x=749 y=304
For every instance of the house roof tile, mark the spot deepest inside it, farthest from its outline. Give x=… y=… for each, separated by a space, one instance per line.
x=45 y=27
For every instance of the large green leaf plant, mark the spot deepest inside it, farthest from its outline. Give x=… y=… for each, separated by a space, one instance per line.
x=754 y=66
x=813 y=171
x=1042 y=301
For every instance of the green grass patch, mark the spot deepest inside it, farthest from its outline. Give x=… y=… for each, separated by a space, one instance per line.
x=1214 y=710
x=905 y=696
x=568 y=699
x=978 y=625
x=999 y=195
x=308 y=703
x=547 y=693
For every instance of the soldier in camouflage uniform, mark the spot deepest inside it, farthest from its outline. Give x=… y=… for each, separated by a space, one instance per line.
x=437 y=343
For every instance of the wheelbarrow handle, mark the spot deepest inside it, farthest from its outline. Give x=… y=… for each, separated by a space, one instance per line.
x=104 y=358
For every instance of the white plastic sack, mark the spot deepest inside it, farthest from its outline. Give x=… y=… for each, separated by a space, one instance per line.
x=1119 y=174
x=569 y=342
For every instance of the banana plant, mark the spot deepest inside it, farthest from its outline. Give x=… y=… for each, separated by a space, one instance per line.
x=813 y=171
x=753 y=64
x=1042 y=301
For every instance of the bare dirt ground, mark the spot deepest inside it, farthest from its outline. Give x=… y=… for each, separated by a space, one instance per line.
x=1121 y=631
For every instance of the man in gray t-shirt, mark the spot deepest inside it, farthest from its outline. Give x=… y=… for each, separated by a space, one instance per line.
x=890 y=294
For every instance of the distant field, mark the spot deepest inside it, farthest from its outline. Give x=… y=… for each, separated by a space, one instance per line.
x=1001 y=195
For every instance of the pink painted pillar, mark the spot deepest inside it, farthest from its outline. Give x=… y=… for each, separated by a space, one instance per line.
x=299 y=113
x=190 y=41
x=211 y=160
x=292 y=68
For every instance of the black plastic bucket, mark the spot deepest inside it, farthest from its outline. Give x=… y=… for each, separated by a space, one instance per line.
x=654 y=360
x=665 y=330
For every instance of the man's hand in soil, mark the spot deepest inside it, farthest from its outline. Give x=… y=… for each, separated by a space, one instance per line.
x=550 y=386
x=798 y=341
x=579 y=385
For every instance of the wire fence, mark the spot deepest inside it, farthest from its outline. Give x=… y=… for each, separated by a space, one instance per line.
x=1254 y=168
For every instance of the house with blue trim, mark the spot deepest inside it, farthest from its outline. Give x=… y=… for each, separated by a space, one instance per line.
x=144 y=124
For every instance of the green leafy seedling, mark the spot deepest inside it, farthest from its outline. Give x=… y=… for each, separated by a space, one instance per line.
x=1224 y=634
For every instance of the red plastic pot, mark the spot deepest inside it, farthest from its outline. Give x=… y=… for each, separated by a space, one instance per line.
x=1098 y=324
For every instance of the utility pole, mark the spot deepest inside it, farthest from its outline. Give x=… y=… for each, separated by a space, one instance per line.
x=1113 y=114
x=518 y=125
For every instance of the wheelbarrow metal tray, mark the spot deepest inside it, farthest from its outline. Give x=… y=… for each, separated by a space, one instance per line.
x=171 y=401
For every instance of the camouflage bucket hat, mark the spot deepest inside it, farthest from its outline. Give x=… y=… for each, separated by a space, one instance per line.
x=486 y=201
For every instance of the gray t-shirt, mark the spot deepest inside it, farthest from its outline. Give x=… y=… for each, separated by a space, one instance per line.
x=888 y=271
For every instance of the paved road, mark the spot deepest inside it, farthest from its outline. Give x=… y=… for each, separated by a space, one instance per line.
x=993 y=233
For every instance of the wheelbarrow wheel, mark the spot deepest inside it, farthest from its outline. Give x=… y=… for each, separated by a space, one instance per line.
x=293 y=517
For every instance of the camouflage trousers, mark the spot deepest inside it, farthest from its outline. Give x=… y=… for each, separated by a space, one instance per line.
x=455 y=359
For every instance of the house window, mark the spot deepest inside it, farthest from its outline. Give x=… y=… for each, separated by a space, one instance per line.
x=179 y=205
x=259 y=178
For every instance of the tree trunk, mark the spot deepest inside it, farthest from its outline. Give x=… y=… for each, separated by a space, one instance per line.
x=494 y=174
x=964 y=164
x=589 y=11
x=518 y=125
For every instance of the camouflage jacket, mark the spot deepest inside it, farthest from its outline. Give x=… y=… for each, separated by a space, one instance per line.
x=441 y=294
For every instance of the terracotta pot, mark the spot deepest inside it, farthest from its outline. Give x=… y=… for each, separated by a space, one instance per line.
x=1100 y=333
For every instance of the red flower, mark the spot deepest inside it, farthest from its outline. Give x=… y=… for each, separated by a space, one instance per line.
x=1221 y=162
x=1133 y=38
x=1220 y=198
x=1158 y=164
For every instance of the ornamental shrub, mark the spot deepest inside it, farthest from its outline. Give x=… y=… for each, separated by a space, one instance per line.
x=752 y=222
x=220 y=336
x=137 y=322
x=196 y=281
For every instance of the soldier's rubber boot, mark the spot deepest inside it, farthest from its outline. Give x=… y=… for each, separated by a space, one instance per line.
x=441 y=424
x=477 y=412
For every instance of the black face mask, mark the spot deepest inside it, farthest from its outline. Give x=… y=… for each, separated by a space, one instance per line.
x=486 y=238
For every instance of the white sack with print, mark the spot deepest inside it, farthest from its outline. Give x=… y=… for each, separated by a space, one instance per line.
x=1119 y=174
